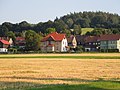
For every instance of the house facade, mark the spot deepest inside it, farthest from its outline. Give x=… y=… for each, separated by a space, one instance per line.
x=89 y=43
x=72 y=42
x=54 y=42
x=110 y=42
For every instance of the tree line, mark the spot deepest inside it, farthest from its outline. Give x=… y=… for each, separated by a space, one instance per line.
x=102 y=22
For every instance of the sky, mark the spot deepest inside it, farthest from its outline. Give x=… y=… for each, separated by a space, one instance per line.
x=35 y=11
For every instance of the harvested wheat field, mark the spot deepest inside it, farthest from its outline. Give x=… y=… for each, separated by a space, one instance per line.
x=26 y=73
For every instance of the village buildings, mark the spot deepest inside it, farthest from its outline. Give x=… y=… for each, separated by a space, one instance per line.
x=57 y=42
x=100 y=43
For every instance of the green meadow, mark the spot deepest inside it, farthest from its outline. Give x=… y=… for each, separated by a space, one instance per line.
x=85 y=30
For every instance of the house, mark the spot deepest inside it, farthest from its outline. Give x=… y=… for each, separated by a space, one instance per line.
x=110 y=42
x=72 y=42
x=20 y=42
x=4 y=44
x=92 y=43
x=54 y=42
x=7 y=39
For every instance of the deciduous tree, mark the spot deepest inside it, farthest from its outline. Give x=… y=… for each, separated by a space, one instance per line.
x=32 y=40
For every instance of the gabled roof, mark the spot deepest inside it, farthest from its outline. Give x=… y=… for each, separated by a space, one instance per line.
x=5 y=42
x=55 y=36
x=70 y=39
x=109 y=37
x=92 y=39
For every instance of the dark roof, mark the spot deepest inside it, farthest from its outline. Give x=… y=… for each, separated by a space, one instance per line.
x=80 y=38
x=92 y=39
x=110 y=37
x=55 y=36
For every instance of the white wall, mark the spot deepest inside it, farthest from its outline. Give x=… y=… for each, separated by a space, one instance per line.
x=3 y=50
x=118 y=45
x=64 y=43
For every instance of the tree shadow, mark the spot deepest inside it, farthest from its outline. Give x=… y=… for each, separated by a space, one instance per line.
x=63 y=79
x=19 y=85
x=35 y=86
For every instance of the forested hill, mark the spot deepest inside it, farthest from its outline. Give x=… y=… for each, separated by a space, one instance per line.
x=66 y=23
x=92 y=19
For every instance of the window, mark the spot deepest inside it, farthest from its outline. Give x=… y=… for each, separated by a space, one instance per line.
x=112 y=42
x=90 y=43
x=57 y=48
x=56 y=43
x=65 y=44
x=43 y=43
x=49 y=42
x=63 y=48
x=104 y=42
x=112 y=47
x=104 y=47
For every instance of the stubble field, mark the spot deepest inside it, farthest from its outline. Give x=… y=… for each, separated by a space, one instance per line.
x=44 y=73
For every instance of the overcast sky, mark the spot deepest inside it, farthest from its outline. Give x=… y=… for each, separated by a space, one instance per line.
x=34 y=11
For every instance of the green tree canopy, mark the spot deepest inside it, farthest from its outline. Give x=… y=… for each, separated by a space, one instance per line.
x=77 y=30
x=32 y=40
x=67 y=32
x=10 y=34
x=50 y=30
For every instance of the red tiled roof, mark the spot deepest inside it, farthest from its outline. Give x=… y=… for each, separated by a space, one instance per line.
x=5 y=42
x=110 y=37
x=20 y=38
x=55 y=36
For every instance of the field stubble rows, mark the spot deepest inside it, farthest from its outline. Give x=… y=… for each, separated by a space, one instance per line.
x=56 y=71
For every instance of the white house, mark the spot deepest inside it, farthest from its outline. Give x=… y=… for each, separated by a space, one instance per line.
x=54 y=42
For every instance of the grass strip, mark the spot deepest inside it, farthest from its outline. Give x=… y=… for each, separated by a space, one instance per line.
x=64 y=57
x=90 y=86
